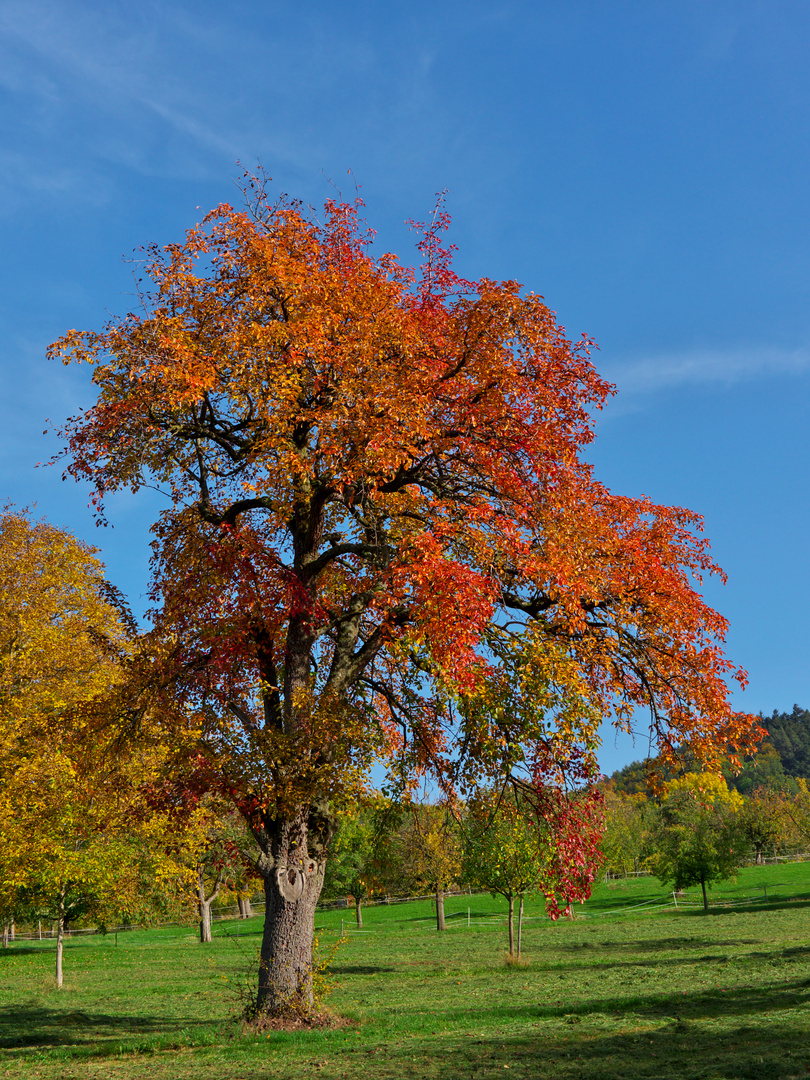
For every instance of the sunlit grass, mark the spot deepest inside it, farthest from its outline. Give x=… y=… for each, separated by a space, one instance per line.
x=621 y=991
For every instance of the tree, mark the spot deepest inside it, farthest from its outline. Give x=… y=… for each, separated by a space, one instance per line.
x=71 y=847
x=765 y=819
x=430 y=852
x=376 y=486
x=626 y=836
x=700 y=838
x=68 y=845
x=504 y=852
x=350 y=870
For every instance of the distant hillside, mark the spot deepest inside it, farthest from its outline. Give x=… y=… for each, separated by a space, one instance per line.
x=789 y=733
x=784 y=755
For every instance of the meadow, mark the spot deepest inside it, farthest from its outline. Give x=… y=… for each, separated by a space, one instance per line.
x=629 y=988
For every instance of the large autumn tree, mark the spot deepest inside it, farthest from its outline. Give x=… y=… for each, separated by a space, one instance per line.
x=378 y=510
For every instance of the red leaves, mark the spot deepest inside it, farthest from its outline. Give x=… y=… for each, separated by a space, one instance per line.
x=373 y=472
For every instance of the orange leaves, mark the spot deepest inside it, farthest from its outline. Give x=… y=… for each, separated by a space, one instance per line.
x=374 y=472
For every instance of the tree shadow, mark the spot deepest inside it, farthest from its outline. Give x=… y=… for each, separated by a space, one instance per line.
x=359 y=970
x=677 y=1051
x=33 y=1027
x=740 y=1002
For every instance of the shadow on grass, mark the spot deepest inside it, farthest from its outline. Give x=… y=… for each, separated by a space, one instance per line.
x=358 y=970
x=574 y=1048
x=677 y=1051
x=33 y=1027
x=705 y=1005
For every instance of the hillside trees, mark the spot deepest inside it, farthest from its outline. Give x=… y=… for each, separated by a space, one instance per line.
x=379 y=510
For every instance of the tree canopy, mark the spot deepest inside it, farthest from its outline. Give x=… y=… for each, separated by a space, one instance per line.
x=380 y=528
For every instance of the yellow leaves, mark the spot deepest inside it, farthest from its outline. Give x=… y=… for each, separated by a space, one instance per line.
x=708 y=788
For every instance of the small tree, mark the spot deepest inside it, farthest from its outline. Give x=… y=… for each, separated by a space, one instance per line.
x=430 y=852
x=699 y=837
x=764 y=819
x=627 y=828
x=350 y=869
x=504 y=852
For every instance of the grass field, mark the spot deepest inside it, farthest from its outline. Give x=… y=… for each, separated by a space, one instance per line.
x=628 y=989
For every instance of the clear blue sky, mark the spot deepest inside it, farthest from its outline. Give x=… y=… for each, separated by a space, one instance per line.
x=644 y=165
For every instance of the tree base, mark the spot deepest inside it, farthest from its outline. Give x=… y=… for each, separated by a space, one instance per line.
x=292 y=1018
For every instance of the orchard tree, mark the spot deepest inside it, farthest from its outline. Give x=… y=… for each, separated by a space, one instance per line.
x=74 y=843
x=72 y=840
x=765 y=819
x=628 y=819
x=351 y=869
x=700 y=836
x=378 y=508
x=63 y=631
x=430 y=852
x=505 y=852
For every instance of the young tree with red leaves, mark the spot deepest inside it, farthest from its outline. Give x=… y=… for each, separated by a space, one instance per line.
x=380 y=525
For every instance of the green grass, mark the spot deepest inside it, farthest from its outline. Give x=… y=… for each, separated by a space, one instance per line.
x=622 y=991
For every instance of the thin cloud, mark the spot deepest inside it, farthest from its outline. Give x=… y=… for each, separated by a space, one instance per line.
x=706 y=366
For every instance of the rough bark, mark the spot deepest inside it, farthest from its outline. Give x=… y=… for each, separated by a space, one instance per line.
x=440 y=923
x=358 y=914
x=245 y=910
x=511 y=900
x=292 y=885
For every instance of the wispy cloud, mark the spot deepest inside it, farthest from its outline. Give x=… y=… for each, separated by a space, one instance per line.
x=668 y=371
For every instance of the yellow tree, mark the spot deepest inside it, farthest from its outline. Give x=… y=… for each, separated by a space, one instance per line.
x=429 y=839
x=71 y=835
x=700 y=836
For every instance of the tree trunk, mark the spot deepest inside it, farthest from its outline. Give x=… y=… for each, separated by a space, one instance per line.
x=358 y=914
x=440 y=923
x=245 y=910
x=205 y=903
x=60 y=937
x=705 y=898
x=511 y=900
x=291 y=888
x=5 y=935
x=520 y=926
x=11 y=930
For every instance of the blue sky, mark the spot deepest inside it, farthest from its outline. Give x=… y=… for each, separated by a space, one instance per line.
x=643 y=165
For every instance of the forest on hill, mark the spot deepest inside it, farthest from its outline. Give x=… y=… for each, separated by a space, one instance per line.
x=783 y=757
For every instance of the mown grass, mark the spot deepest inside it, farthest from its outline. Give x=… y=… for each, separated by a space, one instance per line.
x=622 y=991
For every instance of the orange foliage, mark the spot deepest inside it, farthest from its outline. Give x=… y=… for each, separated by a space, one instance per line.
x=372 y=470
